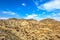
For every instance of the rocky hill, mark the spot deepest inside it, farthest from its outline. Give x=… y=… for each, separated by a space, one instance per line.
x=23 y=29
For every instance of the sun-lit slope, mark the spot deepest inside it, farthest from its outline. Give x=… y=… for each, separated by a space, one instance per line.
x=23 y=29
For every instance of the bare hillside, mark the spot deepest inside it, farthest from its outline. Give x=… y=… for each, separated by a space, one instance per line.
x=23 y=29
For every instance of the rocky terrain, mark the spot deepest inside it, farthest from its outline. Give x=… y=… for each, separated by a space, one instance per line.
x=23 y=29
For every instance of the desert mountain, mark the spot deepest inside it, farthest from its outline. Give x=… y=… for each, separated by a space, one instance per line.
x=29 y=29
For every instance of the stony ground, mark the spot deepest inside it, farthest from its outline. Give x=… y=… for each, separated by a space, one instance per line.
x=22 y=29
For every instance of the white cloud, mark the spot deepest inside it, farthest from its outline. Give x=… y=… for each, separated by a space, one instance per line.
x=23 y=4
x=55 y=16
x=38 y=17
x=32 y=16
x=8 y=12
x=3 y=18
x=52 y=5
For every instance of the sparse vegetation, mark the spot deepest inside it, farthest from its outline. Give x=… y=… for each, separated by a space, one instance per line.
x=22 y=29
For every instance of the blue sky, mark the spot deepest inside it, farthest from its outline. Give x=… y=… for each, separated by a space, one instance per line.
x=30 y=9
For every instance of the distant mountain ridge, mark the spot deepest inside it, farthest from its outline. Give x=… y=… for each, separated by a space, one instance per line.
x=29 y=19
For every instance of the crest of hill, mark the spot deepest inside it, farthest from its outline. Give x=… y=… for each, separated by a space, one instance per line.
x=21 y=19
x=49 y=20
x=43 y=20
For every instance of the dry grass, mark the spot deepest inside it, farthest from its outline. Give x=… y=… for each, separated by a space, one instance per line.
x=22 y=29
